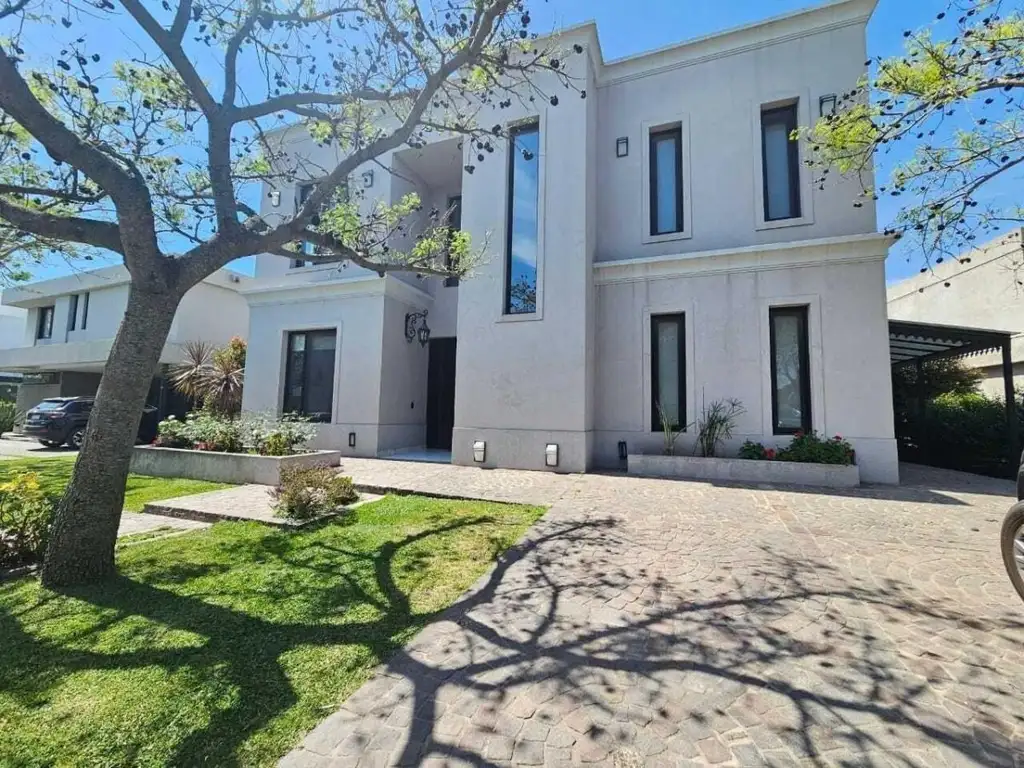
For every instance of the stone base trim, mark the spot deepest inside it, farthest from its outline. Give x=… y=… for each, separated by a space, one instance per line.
x=235 y=468
x=745 y=471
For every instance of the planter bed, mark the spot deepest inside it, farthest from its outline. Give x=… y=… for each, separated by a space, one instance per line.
x=235 y=468
x=745 y=470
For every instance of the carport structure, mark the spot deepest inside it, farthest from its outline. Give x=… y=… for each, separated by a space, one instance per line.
x=915 y=343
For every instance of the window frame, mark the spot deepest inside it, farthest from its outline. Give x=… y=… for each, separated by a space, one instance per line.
x=73 y=312
x=647 y=128
x=85 y=310
x=654 y=137
x=680 y=319
x=44 y=312
x=792 y=112
x=452 y=205
x=802 y=312
x=526 y=126
x=303 y=411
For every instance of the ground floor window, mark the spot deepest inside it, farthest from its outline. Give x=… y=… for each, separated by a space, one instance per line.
x=668 y=372
x=791 y=378
x=309 y=374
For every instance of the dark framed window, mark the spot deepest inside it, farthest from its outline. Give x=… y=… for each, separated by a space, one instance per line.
x=791 y=370
x=454 y=225
x=73 y=312
x=85 y=310
x=309 y=374
x=522 y=220
x=668 y=371
x=780 y=163
x=44 y=325
x=666 y=181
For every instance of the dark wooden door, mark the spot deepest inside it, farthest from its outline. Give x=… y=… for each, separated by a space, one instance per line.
x=441 y=394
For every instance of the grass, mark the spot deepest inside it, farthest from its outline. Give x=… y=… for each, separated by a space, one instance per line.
x=223 y=646
x=55 y=473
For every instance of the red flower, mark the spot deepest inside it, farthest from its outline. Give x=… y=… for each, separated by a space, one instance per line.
x=838 y=437
x=769 y=453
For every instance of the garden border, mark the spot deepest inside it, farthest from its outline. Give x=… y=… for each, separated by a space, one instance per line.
x=744 y=470
x=216 y=466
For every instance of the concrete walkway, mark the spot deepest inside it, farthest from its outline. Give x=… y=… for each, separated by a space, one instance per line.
x=649 y=623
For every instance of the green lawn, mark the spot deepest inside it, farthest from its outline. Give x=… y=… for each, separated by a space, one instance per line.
x=221 y=647
x=55 y=472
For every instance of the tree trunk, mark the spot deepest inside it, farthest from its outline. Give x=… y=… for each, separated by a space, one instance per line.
x=84 y=530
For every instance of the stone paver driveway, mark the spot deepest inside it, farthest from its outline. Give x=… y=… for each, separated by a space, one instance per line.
x=650 y=623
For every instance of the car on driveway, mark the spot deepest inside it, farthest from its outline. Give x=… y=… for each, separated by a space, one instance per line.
x=62 y=420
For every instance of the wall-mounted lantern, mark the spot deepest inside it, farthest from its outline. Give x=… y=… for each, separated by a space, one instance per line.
x=412 y=319
x=479 y=451
x=622 y=147
x=368 y=178
x=351 y=439
x=827 y=105
x=275 y=198
x=551 y=455
x=623 y=451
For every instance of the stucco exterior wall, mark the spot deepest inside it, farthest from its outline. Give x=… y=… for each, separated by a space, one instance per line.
x=403 y=383
x=521 y=380
x=210 y=313
x=358 y=320
x=718 y=97
x=982 y=293
x=727 y=354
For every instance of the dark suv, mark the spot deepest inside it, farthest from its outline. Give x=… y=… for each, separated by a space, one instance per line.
x=60 y=420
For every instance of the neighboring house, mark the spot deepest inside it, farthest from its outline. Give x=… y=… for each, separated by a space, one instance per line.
x=667 y=245
x=71 y=322
x=984 y=292
x=12 y=330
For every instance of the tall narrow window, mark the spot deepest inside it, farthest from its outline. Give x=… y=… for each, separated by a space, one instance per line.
x=791 y=379
x=522 y=225
x=44 y=327
x=780 y=163
x=73 y=312
x=668 y=372
x=666 y=181
x=309 y=374
x=454 y=225
x=85 y=310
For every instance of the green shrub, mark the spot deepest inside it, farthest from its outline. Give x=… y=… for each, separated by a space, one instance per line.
x=25 y=512
x=269 y=435
x=172 y=433
x=8 y=416
x=209 y=431
x=308 y=492
x=805 y=447
x=963 y=431
x=808 y=447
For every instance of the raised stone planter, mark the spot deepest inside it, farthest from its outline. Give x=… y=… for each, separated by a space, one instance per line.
x=237 y=468
x=745 y=471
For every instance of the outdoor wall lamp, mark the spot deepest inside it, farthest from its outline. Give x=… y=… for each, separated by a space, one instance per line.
x=412 y=319
x=623 y=452
x=351 y=439
x=368 y=178
x=479 y=451
x=551 y=455
x=275 y=198
x=827 y=105
x=622 y=147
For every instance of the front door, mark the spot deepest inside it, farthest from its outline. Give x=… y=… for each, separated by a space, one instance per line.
x=441 y=394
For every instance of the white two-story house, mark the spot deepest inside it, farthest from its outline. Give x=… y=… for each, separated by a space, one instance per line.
x=660 y=246
x=71 y=322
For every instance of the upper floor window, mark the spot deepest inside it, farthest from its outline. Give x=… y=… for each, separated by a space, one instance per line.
x=522 y=226
x=780 y=163
x=666 y=181
x=454 y=225
x=307 y=247
x=85 y=310
x=791 y=375
x=44 y=325
x=73 y=312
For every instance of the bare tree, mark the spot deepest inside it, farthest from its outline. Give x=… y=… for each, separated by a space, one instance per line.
x=953 y=100
x=141 y=156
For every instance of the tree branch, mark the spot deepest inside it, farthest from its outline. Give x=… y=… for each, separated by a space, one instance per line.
x=100 y=234
x=181 y=18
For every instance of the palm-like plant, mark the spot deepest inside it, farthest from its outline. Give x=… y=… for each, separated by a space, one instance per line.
x=212 y=376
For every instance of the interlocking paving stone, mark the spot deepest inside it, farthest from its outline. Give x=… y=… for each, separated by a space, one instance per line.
x=660 y=623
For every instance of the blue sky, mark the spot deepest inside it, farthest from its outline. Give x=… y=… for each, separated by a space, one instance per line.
x=631 y=27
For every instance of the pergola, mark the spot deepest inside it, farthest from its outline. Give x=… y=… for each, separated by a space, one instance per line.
x=914 y=343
